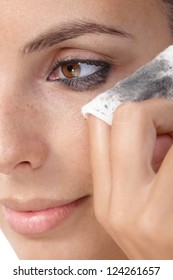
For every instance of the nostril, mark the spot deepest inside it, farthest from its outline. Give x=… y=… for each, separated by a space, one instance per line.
x=23 y=164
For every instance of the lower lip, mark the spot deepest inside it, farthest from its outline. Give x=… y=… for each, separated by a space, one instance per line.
x=39 y=222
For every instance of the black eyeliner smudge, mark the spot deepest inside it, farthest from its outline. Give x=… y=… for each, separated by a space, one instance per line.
x=87 y=83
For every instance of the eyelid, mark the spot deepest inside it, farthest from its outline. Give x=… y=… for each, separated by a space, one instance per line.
x=68 y=54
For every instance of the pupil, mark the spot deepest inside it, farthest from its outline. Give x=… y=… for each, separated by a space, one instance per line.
x=71 y=70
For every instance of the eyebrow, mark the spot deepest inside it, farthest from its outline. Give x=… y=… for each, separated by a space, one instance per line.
x=69 y=31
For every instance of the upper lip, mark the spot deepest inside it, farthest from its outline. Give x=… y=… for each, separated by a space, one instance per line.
x=36 y=204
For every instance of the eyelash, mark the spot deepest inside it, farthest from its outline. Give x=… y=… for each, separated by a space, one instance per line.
x=85 y=83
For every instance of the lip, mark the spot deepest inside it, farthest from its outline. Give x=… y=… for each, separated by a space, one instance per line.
x=39 y=221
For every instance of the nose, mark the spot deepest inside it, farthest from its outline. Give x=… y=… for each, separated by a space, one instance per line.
x=21 y=142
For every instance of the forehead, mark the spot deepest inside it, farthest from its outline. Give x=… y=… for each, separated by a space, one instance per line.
x=22 y=21
x=37 y=14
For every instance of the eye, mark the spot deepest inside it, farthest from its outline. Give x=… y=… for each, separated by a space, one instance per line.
x=72 y=70
x=80 y=75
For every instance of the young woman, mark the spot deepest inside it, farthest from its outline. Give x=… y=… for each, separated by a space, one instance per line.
x=66 y=193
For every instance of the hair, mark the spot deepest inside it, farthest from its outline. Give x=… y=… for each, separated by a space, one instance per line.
x=167 y=5
x=168 y=2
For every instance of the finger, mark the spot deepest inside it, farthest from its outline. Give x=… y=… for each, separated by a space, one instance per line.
x=162 y=146
x=99 y=145
x=159 y=204
x=163 y=187
x=134 y=131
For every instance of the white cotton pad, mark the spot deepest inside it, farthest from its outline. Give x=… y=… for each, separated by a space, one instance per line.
x=153 y=80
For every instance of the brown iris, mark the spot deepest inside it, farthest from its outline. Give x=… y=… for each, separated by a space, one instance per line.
x=71 y=70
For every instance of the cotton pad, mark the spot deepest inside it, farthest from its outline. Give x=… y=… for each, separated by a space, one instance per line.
x=153 y=80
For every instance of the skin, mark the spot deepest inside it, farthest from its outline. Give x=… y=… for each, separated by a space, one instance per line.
x=148 y=191
x=45 y=150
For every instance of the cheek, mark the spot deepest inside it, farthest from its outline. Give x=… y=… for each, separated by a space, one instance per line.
x=76 y=139
x=69 y=145
x=67 y=137
x=163 y=143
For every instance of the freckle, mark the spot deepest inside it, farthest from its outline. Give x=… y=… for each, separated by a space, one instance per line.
x=29 y=106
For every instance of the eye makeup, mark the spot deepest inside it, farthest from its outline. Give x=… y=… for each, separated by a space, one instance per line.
x=153 y=80
x=80 y=74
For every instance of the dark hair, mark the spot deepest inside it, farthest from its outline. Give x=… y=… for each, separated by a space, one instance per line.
x=170 y=2
x=167 y=5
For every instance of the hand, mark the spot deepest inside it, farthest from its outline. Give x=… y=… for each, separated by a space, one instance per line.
x=132 y=168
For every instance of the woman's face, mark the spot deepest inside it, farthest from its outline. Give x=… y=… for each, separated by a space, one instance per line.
x=56 y=56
